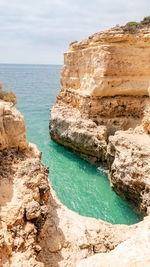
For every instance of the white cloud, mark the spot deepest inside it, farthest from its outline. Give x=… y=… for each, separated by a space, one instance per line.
x=39 y=31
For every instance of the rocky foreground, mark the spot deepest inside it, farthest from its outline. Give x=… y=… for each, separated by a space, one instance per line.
x=37 y=230
x=102 y=113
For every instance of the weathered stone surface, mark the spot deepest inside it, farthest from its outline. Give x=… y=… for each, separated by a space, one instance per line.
x=95 y=104
x=21 y=176
x=19 y=191
x=133 y=252
x=27 y=201
x=33 y=210
x=84 y=123
x=104 y=105
x=105 y=85
x=82 y=135
x=67 y=237
x=12 y=127
x=107 y=64
x=82 y=118
x=129 y=161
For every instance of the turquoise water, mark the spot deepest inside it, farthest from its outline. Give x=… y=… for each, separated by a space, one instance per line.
x=79 y=185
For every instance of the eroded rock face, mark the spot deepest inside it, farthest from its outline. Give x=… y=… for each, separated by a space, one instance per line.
x=21 y=176
x=129 y=165
x=81 y=134
x=107 y=63
x=12 y=127
x=133 y=252
x=103 y=101
x=35 y=228
x=67 y=237
x=105 y=85
x=101 y=98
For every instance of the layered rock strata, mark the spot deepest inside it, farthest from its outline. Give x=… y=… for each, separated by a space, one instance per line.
x=35 y=228
x=102 y=109
x=23 y=192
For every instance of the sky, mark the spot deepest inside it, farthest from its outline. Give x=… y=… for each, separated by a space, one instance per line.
x=40 y=31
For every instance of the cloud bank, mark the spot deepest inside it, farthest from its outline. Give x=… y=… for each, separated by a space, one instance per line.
x=39 y=31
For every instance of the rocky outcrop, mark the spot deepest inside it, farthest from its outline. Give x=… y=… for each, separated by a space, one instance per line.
x=81 y=134
x=22 y=197
x=102 y=109
x=128 y=157
x=134 y=252
x=105 y=87
x=12 y=127
x=100 y=125
x=110 y=63
x=67 y=237
x=35 y=228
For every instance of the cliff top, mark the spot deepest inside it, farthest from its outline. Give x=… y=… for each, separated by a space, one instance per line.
x=131 y=33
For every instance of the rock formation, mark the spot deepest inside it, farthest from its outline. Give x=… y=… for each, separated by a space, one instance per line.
x=102 y=113
x=35 y=228
x=23 y=192
x=102 y=109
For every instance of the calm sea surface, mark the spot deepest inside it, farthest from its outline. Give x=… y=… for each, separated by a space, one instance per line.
x=79 y=185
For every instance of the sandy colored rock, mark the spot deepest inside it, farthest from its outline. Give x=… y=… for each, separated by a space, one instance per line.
x=133 y=252
x=103 y=101
x=82 y=135
x=67 y=237
x=35 y=228
x=102 y=113
x=33 y=210
x=105 y=92
x=12 y=127
x=105 y=88
x=129 y=161
x=21 y=176
x=107 y=63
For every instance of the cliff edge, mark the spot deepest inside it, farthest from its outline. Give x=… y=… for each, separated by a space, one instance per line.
x=35 y=228
x=102 y=109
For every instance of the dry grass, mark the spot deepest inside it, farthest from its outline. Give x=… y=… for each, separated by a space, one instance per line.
x=8 y=96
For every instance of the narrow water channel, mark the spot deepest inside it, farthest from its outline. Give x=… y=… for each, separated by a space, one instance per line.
x=79 y=185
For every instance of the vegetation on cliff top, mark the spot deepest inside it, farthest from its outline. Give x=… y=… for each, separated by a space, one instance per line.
x=133 y=25
x=7 y=95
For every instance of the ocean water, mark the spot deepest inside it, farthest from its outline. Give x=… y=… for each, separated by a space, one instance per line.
x=80 y=186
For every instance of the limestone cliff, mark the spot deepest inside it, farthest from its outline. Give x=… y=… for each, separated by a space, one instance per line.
x=35 y=228
x=23 y=192
x=102 y=109
x=105 y=82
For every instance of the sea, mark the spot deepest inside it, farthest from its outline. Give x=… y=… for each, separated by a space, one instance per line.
x=79 y=185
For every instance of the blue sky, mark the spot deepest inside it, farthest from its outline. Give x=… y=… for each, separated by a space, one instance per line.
x=39 y=31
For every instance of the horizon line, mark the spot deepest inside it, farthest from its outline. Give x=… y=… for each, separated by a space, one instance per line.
x=31 y=64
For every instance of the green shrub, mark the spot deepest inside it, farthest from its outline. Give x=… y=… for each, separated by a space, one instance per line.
x=132 y=23
x=146 y=20
x=8 y=96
